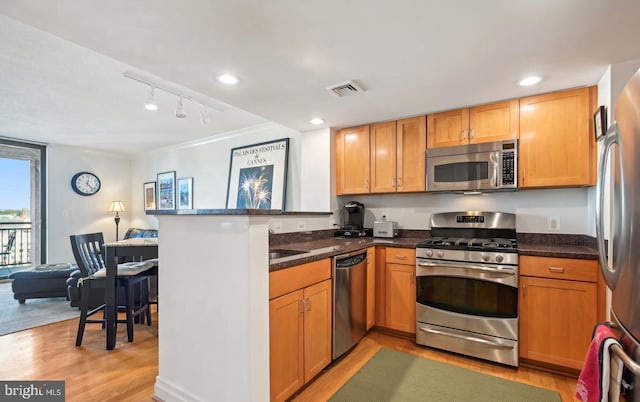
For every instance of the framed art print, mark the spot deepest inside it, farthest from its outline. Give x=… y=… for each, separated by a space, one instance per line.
x=258 y=176
x=185 y=193
x=167 y=190
x=149 y=194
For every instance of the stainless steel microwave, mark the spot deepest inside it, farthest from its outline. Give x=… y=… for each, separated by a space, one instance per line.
x=488 y=166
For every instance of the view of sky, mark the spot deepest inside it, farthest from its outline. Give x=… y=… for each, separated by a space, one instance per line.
x=15 y=183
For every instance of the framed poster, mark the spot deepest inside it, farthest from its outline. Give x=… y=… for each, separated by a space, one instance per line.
x=149 y=195
x=258 y=176
x=167 y=190
x=185 y=193
x=600 y=122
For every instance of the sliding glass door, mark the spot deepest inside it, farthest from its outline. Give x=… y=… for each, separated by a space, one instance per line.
x=22 y=197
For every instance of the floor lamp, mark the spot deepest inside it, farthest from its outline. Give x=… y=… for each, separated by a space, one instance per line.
x=117 y=206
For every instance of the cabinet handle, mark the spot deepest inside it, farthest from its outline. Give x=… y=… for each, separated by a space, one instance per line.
x=524 y=291
x=302 y=307
x=401 y=257
x=473 y=130
x=398 y=181
x=464 y=134
x=366 y=183
x=308 y=304
x=524 y=174
x=557 y=270
x=393 y=182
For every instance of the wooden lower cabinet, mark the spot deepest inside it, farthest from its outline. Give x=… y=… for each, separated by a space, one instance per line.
x=400 y=290
x=300 y=337
x=371 y=287
x=557 y=316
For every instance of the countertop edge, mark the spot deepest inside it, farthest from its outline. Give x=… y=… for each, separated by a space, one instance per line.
x=260 y=212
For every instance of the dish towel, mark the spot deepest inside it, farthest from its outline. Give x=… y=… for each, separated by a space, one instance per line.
x=600 y=377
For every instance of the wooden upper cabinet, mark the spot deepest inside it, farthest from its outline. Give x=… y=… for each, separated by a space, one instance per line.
x=486 y=123
x=394 y=160
x=494 y=122
x=557 y=145
x=447 y=129
x=383 y=157
x=411 y=140
x=352 y=160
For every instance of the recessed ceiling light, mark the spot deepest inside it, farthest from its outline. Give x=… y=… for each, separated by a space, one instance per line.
x=528 y=81
x=316 y=121
x=228 y=79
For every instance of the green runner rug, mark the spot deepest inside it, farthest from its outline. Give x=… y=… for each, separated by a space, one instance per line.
x=396 y=376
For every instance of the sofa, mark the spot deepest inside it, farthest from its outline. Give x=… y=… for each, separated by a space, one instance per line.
x=97 y=296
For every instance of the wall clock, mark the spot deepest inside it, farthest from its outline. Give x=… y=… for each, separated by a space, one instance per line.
x=85 y=183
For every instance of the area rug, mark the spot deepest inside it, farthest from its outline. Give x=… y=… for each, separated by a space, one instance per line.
x=34 y=313
x=397 y=376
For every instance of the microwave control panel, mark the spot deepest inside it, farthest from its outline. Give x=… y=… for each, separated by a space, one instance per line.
x=508 y=168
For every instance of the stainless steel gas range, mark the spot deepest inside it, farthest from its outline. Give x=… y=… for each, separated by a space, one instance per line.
x=467 y=286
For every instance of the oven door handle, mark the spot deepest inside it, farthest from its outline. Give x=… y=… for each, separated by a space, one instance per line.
x=466 y=338
x=475 y=267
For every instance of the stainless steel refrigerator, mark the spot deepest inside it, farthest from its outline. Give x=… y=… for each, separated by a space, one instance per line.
x=621 y=144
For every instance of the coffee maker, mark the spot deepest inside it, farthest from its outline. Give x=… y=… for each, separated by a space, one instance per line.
x=353 y=221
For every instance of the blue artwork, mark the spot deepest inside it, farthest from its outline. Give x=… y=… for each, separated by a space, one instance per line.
x=254 y=188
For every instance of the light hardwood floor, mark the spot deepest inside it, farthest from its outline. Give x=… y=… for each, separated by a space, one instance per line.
x=128 y=373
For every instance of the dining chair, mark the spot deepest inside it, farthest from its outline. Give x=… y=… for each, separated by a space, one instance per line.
x=88 y=250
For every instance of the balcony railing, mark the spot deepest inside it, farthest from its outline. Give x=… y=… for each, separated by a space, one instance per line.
x=20 y=252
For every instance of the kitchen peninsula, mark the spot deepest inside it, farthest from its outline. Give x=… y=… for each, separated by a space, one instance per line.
x=214 y=291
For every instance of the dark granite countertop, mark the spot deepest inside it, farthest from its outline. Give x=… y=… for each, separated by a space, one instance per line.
x=260 y=212
x=558 y=245
x=329 y=247
x=319 y=245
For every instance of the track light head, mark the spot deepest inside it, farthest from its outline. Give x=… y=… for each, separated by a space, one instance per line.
x=180 y=109
x=151 y=104
x=204 y=116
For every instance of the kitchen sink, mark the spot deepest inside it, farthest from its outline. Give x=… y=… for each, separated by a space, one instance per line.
x=281 y=253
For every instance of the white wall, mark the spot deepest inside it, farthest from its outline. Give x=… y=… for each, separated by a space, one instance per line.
x=208 y=161
x=69 y=213
x=413 y=211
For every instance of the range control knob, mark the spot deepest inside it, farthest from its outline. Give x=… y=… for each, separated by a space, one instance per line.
x=429 y=253
x=499 y=258
x=485 y=257
x=440 y=253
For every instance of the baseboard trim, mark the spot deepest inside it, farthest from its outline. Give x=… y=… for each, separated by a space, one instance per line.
x=166 y=391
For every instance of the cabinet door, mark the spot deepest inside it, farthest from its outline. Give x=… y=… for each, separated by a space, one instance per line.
x=557 y=146
x=381 y=287
x=352 y=160
x=494 y=122
x=286 y=345
x=371 y=287
x=412 y=146
x=317 y=328
x=383 y=157
x=447 y=129
x=401 y=298
x=556 y=320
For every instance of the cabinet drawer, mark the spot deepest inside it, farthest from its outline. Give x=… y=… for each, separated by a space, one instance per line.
x=405 y=256
x=287 y=280
x=559 y=268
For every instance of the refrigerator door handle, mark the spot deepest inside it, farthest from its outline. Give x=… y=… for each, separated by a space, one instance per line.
x=610 y=273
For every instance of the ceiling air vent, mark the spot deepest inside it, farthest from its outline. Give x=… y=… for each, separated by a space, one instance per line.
x=346 y=88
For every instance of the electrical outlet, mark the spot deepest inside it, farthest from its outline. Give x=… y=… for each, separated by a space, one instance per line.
x=301 y=225
x=384 y=216
x=553 y=223
x=276 y=227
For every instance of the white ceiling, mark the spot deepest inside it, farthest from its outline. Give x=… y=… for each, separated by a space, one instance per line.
x=65 y=85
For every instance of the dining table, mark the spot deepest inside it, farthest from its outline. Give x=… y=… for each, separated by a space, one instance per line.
x=138 y=248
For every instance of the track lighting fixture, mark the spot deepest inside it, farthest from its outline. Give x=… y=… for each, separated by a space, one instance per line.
x=182 y=94
x=204 y=116
x=180 y=109
x=151 y=104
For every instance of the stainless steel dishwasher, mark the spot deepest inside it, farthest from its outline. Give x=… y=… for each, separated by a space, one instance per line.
x=349 y=301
